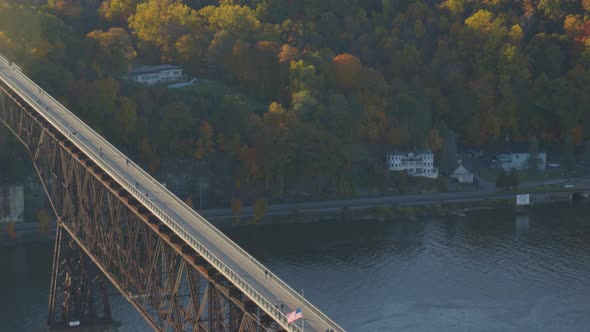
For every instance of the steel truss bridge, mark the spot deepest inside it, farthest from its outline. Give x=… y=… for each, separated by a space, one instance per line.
x=118 y=225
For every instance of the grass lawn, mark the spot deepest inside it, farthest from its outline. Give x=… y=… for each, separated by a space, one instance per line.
x=490 y=174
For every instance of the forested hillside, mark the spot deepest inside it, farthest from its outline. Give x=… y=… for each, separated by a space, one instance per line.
x=289 y=86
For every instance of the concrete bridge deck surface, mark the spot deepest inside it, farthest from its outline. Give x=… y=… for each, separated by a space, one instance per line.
x=269 y=287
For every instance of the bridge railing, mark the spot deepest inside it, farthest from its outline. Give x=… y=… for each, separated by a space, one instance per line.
x=219 y=264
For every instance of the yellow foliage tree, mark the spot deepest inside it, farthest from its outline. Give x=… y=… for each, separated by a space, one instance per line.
x=44 y=219
x=236 y=208
x=260 y=208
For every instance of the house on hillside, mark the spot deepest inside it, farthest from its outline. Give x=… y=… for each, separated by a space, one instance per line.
x=520 y=160
x=150 y=75
x=414 y=163
x=462 y=174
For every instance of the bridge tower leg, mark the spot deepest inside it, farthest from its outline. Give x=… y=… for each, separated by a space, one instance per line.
x=78 y=292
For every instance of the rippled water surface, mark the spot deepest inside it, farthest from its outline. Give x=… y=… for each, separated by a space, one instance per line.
x=487 y=271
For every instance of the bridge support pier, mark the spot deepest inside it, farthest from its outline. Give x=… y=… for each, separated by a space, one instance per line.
x=79 y=294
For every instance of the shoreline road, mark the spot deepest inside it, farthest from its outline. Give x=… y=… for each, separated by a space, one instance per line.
x=488 y=192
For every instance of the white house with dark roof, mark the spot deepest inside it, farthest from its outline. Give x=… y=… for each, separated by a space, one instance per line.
x=462 y=174
x=150 y=75
x=414 y=163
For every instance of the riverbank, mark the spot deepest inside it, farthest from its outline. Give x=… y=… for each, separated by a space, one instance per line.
x=395 y=207
x=26 y=232
x=377 y=208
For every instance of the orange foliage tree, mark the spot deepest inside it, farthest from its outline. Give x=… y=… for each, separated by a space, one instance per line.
x=347 y=69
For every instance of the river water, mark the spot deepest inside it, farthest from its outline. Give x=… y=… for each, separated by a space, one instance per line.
x=490 y=270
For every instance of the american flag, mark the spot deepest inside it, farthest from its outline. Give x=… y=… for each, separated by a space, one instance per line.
x=293 y=316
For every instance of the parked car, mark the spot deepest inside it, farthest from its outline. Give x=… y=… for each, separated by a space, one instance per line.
x=553 y=165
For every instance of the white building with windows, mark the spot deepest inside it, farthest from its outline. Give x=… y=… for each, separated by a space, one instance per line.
x=150 y=75
x=520 y=160
x=415 y=164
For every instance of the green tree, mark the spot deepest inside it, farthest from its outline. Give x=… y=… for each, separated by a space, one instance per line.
x=302 y=76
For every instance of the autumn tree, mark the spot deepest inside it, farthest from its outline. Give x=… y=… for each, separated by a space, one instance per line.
x=148 y=155
x=347 y=70
x=10 y=230
x=236 y=207
x=111 y=52
x=163 y=22
x=189 y=202
x=248 y=157
x=118 y=11
x=205 y=143
x=260 y=208
x=44 y=219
